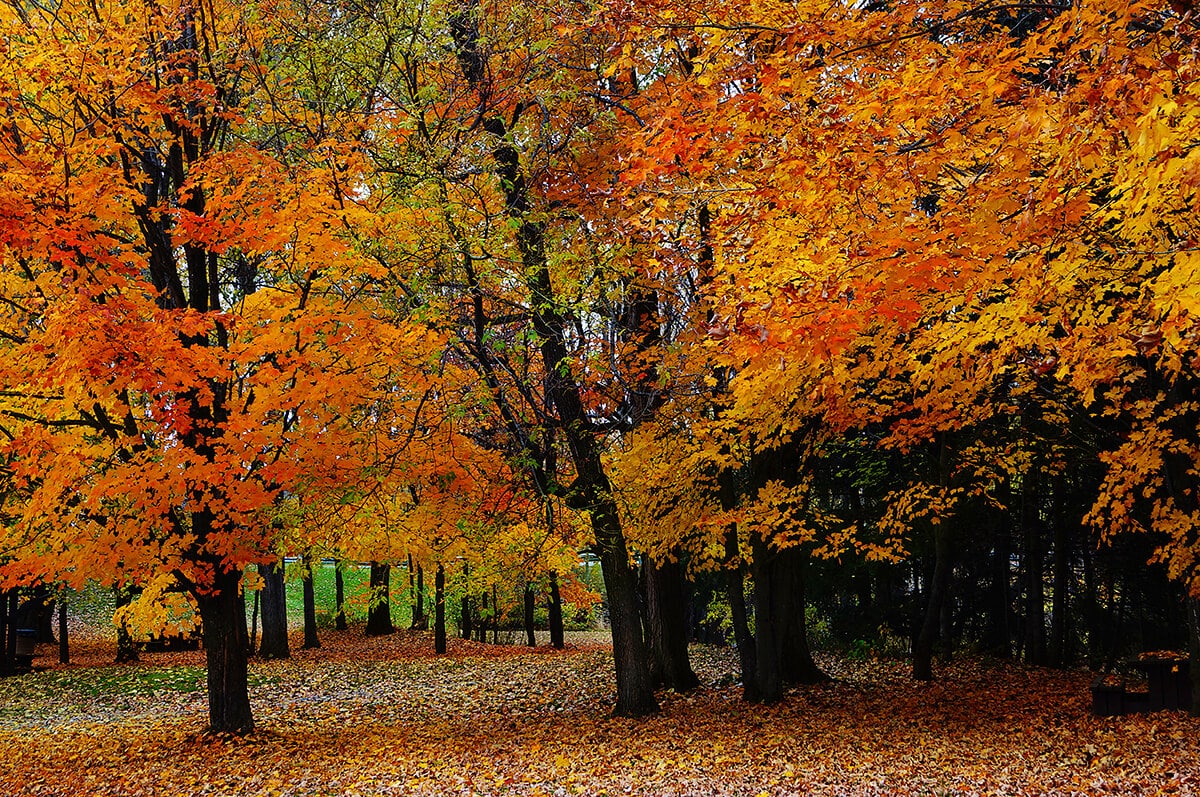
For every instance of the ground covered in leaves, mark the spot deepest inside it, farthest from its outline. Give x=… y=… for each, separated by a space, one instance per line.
x=385 y=717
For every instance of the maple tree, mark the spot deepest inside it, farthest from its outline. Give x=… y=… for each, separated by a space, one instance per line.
x=179 y=348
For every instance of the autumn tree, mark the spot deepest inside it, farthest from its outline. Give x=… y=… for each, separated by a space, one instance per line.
x=179 y=345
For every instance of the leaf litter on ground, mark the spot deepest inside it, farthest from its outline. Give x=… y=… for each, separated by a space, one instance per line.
x=384 y=716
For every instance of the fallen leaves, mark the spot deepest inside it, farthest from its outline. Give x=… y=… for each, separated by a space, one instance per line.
x=382 y=716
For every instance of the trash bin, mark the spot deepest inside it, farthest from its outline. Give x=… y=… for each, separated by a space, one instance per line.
x=26 y=641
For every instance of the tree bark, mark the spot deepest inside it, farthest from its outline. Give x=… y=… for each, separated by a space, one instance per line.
x=8 y=632
x=735 y=592
x=768 y=625
x=379 y=611
x=936 y=595
x=481 y=626
x=781 y=646
x=274 y=643
x=666 y=624
x=530 y=605
x=439 y=610
x=555 y=614
x=223 y=615
x=1060 y=610
x=798 y=664
x=311 y=640
x=1193 y=622
x=127 y=650
x=997 y=637
x=1032 y=561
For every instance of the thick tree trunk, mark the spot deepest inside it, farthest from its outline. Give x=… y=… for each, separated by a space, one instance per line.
x=379 y=611
x=439 y=610
x=769 y=620
x=274 y=643
x=530 y=605
x=635 y=693
x=781 y=644
x=311 y=640
x=798 y=664
x=339 y=588
x=666 y=625
x=42 y=608
x=223 y=616
x=936 y=595
x=555 y=617
x=127 y=650
x=997 y=636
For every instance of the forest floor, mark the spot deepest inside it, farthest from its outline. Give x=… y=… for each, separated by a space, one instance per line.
x=383 y=716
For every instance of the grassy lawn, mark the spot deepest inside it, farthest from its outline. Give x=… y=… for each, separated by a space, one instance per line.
x=385 y=717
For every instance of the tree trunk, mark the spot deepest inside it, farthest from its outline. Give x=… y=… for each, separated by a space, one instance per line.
x=997 y=637
x=555 y=614
x=495 y=617
x=481 y=626
x=936 y=595
x=42 y=608
x=419 y=621
x=1059 y=618
x=254 y=623
x=464 y=617
x=439 y=610
x=530 y=604
x=1035 y=591
x=339 y=588
x=274 y=643
x=127 y=650
x=223 y=617
x=64 y=647
x=1193 y=622
x=769 y=619
x=735 y=592
x=379 y=611
x=666 y=624
x=8 y=632
x=781 y=644
x=798 y=664
x=311 y=640
x=591 y=489
x=635 y=693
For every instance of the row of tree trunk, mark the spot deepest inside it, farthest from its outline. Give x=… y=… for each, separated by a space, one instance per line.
x=273 y=603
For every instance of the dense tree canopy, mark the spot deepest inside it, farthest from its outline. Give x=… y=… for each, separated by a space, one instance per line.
x=888 y=294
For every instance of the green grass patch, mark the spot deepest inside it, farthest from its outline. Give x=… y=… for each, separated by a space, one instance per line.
x=97 y=681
